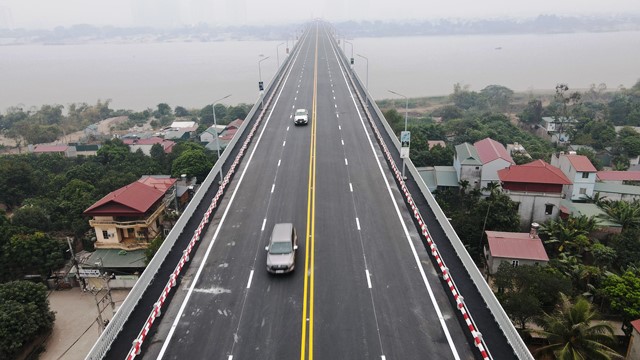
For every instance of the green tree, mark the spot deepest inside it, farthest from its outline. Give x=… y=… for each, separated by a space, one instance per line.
x=24 y=314
x=193 y=163
x=394 y=119
x=29 y=254
x=17 y=180
x=497 y=97
x=623 y=293
x=31 y=217
x=532 y=113
x=627 y=247
x=181 y=111
x=624 y=213
x=573 y=334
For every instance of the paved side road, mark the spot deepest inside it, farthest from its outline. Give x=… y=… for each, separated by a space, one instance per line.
x=75 y=329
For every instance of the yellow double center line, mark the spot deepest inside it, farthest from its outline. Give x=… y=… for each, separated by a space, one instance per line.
x=309 y=260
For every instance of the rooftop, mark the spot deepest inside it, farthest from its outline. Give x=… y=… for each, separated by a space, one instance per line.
x=616 y=188
x=535 y=172
x=134 y=199
x=114 y=258
x=50 y=148
x=618 y=175
x=489 y=150
x=581 y=163
x=468 y=154
x=516 y=246
x=588 y=210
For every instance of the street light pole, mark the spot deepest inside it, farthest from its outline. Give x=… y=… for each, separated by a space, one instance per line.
x=367 y=59
x=260 y=79
x=406 y=116
x=350 y=43
x=278 y=52
x=215 y=125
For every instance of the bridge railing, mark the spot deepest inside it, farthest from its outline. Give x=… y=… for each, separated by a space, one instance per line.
x=113 y=329
x=519 y=347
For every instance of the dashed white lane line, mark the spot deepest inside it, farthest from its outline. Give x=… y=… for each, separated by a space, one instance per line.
x=368 y=280
x=334 y=98
x=351 y=187
x=250 y=278
x=295 y=98
x=293 y=106
x=339 y=127
x=383 y=357
x=264 y=223
x=279 y=161
x=346 y=162
x=342 y=142
x=231 y=357
x=336 y=105
x=337 y=115
x=284 y=143
x=273 y=186
x=287 y=128
x=358 y=223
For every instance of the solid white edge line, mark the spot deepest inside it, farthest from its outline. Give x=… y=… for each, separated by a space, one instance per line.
x=250 y=278
x=264 y=222
x=358 y=223
x=443 y=324
x=351 y=187
x=183 y=306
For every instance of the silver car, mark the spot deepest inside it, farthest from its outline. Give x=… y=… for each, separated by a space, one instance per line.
x=301 y=117
x=281 y=251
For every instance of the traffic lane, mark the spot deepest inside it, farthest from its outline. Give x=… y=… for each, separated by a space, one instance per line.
x=393 y=264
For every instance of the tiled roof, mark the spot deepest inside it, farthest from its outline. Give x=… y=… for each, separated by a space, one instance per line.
x=616 y=188
x=489 y=150
x=636 y=325
x=618 y=175
x=535 y=172
x=515 y=246
x=162 y=183
x=581 y=163
x=467 y=154
x=184 y=124
x=235 y=124
x=134 y=199
x=50 y=148
x=228 y=134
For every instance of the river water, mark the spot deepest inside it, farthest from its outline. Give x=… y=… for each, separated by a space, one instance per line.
x=191 y=74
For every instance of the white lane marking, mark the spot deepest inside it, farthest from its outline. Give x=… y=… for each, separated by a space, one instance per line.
x=358 y=224
x=295 y=98
x=279 y=161
x=346 y=162
x=351 y=187
x=264 y=223
x=183 y=306
x=335 y=105
x=339 y=127
x=231 y=357
x=334 y=98
x=368 y=280
x=337 y=115
x=287 y=128
x=250 y=278
x=293 y=106
x=432 y=297
x=297 y=91
x=284 y=143
x=273 y=187
x=342 y=142
x=381 y=357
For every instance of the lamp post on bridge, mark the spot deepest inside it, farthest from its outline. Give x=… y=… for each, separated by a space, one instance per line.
x=278 y=52
x=215 y=125
x=260 y=83
x=350 y=43
x=405 y=137
x=367 y=59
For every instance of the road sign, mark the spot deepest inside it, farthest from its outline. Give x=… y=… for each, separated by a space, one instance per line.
x=405 y=140
x=261 y=85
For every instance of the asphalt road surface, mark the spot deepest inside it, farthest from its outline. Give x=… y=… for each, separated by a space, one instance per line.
x=363 y=286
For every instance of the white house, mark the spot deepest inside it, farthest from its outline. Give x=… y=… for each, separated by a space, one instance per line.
x=494 y=157
x=515 y=249
x=468 y=165
x=580 y=171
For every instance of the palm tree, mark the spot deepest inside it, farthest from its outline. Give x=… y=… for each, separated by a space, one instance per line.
x=624 y=213
x=573 y=336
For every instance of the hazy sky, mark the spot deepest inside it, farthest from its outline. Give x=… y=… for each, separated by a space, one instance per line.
x=51 y=13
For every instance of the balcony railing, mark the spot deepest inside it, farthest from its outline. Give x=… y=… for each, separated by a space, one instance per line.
x=127 y=224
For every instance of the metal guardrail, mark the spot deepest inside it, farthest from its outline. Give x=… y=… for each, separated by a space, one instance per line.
x=103 y=344
x=502 y=319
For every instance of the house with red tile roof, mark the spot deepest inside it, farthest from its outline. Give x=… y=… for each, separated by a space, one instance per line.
x=145 y=145
x=581 y=172
x=633 y=350
x=130 y=218
x=618 y=177
x=514 y=248
x=493 y=156
x=537 y=187
x=64 y=150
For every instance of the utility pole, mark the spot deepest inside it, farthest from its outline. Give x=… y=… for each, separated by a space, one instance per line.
x=74 y=261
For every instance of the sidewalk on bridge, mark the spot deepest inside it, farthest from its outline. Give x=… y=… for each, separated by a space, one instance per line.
x=75 y=329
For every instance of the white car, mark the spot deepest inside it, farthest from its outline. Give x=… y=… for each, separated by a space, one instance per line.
x=301 y=117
